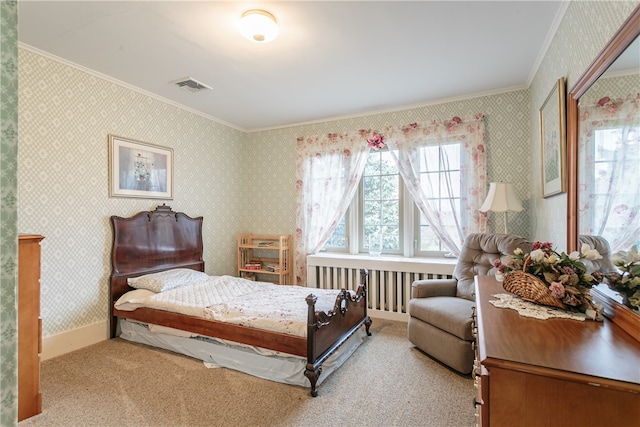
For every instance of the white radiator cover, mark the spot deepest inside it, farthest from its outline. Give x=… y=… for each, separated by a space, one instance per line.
x=390 y=278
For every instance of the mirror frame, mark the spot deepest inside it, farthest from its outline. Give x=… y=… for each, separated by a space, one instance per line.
x=627 y=33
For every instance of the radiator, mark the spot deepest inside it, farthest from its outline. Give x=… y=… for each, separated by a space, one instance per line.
x=390 y=279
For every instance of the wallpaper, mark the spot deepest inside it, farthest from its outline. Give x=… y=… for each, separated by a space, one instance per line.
x=66 y=115
x=238 y=182
x=8 y=210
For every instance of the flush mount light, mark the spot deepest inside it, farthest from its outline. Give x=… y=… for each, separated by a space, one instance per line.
x=258 y=26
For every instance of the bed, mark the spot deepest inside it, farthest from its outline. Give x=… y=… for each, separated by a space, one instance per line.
x=162 y=240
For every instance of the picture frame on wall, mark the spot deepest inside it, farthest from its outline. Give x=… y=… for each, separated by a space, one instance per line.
x=138 y=169
x=553 y=141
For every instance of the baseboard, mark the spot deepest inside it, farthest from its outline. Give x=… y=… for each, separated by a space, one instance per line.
x=75 y=339
x=385 y=315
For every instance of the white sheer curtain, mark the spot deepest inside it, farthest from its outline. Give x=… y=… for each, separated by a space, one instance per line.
x=429 y=164
x=328 y=171
x=609 y=149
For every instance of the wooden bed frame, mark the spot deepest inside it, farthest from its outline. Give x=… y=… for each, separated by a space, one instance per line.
x=153 y=241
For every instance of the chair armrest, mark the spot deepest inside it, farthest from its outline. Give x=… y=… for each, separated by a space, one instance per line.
x=434 y=288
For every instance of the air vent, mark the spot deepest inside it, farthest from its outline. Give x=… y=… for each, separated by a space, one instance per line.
x=190 y=84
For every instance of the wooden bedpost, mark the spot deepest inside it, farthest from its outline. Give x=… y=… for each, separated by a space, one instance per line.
x=364 y=281
x=313 y=370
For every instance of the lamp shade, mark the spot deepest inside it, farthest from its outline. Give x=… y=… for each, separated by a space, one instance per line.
x=502 y=197
x=258 y=26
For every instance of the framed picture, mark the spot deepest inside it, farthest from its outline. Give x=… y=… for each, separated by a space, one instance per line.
x=138 y=169
x=553 y=141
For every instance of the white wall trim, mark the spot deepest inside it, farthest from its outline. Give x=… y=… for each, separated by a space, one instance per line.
x=386 y=315
x=75 y=339
x=385 y=262
x=557 y=20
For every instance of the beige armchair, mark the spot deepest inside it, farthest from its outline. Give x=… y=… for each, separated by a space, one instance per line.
x=440 y=309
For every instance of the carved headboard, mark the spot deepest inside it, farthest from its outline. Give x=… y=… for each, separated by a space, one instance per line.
x=152 y=241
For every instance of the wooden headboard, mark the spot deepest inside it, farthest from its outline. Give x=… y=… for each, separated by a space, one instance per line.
x=152 y=241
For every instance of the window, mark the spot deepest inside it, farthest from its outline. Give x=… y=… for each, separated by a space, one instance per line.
x=614 y=150
x=380 y=198
x=383 y=208
x=440 y=167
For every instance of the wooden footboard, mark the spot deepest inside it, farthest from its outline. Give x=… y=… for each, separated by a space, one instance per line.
x=328 y=331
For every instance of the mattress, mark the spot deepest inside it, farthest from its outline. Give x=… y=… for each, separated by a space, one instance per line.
x=238 y=301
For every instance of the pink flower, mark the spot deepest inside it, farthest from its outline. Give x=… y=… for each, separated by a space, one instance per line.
x=557 y=290
x=620 y=208
x=376 y=141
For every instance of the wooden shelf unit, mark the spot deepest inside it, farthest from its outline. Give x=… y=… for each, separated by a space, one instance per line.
x=267 y=250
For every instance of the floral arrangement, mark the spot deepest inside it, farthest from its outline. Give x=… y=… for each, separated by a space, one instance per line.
x=565 y=275
x=627 y=281
x=376 y=141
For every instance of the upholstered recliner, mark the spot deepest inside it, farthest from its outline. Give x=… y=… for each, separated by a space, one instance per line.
x=440 y=310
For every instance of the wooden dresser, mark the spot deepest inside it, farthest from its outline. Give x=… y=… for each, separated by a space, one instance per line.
x=555 y=372
x=29 y=326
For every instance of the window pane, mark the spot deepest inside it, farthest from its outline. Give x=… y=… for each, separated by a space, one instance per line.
x=428 y=240
x=338 y=239
x=430 y=159
x=440 y=179
x=372 y=213
x=451 y=153
x=390 y=187
x=373 y=164
x=387 y=164
x=391 y=239
x=449 y=184
x=372 y=186
x=381 y=201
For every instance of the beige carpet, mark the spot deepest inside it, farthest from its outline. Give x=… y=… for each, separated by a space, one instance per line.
x=386 y=382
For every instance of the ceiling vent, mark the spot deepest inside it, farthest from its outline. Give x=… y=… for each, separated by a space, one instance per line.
x=190 y=84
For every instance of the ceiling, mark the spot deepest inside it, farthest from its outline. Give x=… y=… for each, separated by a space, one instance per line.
x=332 y=59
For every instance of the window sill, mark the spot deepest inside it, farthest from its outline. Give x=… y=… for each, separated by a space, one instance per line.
x=384 y=262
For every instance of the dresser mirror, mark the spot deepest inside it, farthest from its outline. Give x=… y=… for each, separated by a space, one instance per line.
x=603 y=144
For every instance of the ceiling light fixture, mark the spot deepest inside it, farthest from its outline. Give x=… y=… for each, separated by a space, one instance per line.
x=258 y=26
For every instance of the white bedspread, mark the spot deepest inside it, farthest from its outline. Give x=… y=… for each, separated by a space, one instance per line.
x=230 y=299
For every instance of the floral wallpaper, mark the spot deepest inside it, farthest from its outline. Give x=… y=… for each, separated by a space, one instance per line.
x=8 y=211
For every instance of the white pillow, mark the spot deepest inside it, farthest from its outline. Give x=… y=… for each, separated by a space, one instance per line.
x=133 y=299
x=165 y=280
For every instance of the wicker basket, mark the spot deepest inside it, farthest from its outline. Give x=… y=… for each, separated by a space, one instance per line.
x=530 y=288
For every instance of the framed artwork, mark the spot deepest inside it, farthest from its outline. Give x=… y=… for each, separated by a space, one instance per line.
x=138 y=169
x=553 y=141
